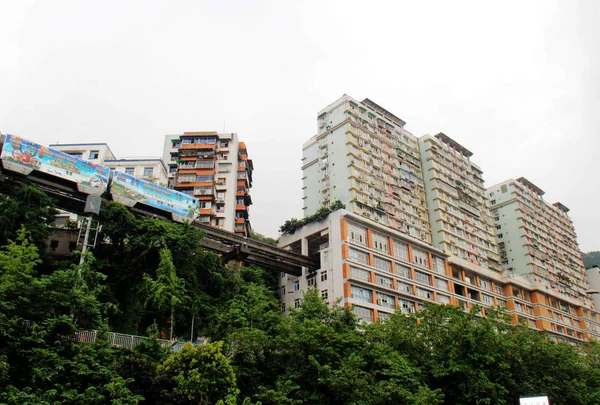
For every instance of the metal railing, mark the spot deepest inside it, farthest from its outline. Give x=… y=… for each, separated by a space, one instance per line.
x=119 y=340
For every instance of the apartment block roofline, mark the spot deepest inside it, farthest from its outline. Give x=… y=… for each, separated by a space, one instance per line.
x=83 y=145
x=453 y=144
x=531 y=186
x=376 y=107
x=200 y=133
x=561 y=207
x=137 y=159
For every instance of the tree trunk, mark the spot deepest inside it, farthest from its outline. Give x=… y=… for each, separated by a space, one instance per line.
x=171 y=334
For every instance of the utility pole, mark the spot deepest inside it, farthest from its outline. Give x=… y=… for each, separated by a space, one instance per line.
x=92 y=206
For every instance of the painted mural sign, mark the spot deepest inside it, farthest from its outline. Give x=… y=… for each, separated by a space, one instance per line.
x=130 y=189
x=24 y=156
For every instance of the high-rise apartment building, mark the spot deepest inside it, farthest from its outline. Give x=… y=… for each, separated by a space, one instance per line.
x=421 y=228
x=363 y=156
x=537 y=241
x=458 y=208
x=213 y=167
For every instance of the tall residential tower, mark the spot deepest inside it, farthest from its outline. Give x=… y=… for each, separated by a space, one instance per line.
x=214 y=167
x=363 y=156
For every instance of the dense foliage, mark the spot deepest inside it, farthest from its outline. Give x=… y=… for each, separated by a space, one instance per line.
x=292 y=225
x=147 y=275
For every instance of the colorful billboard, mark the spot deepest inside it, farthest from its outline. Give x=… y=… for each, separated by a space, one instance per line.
x=130 y=190
x=24 y=157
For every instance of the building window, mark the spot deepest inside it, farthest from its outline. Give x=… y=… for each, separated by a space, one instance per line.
x=443 y=299
x=324 y=294
x=441 y=284
x=402 y=271
x=53 y=245
x=365 y=314
x=487 y=299
x=358 y=256
x=362 y=294
x=405 y=288
x=384 y=281
x=297 y=285
x=407 y=306
x=224 y=144
x=401 y=250
x=380 y=242
x=297 y=303
x=323 y=276
x=223 y=156
x=360 y=274
x=311 y=281
x=383 y=316
x=420 y=257
x=148 y=171
x=283 y=307
x=438 y=265
x=130 y=170
x=424 y=293
x=78 y=155
x=385 y=300
x=422 y=278
x=94 y=154
x=282 y=290
x=381 y=264
x=357 y=234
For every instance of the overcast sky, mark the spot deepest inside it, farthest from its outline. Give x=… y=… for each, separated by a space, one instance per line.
x=516 y=82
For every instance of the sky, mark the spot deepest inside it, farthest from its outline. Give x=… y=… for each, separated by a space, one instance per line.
x=515 y=82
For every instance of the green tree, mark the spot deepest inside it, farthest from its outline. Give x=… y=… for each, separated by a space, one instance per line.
x=198 y=375
x=168 y=290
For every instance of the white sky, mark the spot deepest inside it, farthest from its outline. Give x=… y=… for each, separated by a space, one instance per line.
x=516 y=82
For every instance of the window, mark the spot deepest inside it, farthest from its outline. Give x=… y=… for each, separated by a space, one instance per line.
x=407 y=306
x=365 y=314
x=223 y=156
x=443 y=299
x=441 y=284
x=204 y=204
x=94 y=154
x=323 y=276
x=381 y=264
x=385 y=300
x=438 y=265
x=224 y=144
x=485 y=283
x=420 y=257
x=297 y=303
x=358 y=256
x=384 y=281
x=498 y=289
x=324 y=294
x=357 y=234
x=176 y=144
x=78 y=155
x=282 y=290
x=383 y=316
x=360 y=274
x=282 y=307
x=401 y=250
x=311 y=281
x=422 y=278
x=405 y=288
x=297 y=285
x=129 y=170
x=362 y=294
x=380 y=242
x=53 y=245
x=402 y=271
x=425 y=293
x=221 y=181
x=148 y=171
x=487 y=299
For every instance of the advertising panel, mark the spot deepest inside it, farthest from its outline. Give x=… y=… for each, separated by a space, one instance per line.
x=24 y=157
x=130 y=190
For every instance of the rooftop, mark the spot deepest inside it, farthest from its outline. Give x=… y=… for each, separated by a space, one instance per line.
x=531 y=186
x=453 y=144
x=376 y=107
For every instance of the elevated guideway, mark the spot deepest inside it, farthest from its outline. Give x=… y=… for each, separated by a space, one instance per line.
x=230 y=246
